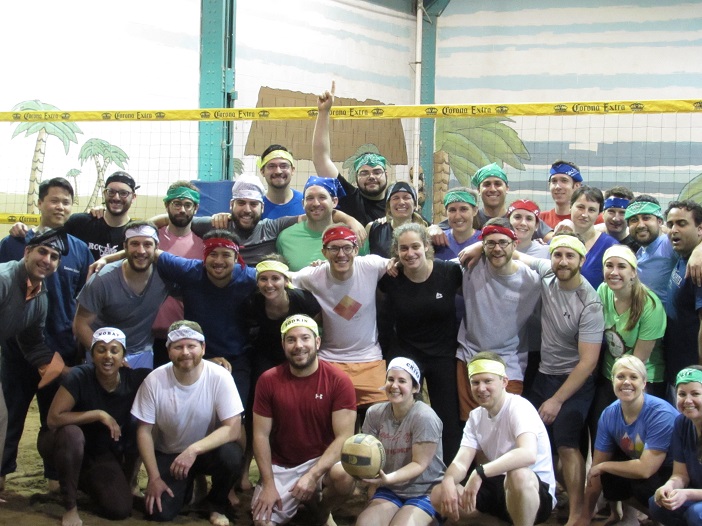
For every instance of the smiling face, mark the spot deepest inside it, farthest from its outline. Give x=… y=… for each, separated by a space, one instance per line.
x=411 y=251
x=488 y=390
x=524 y=224
x=683 y=233
x=645 y=228
x=278 y=172
x=219 y=264
x=246 y=213
x=300 y=346
x=108 y=358
x=689 y=400
x=340 y=254
x=460 y=217
x=372 y=180
x=40 y=262
x=493 y=192
x=118 y=198
x=561 y=187
x=401 y=205
x=566 y=263
x=399 y=387
x=628 y=384
x=584 y=213
x=618 y=274
x=55 y=207
x=271 y=284
x=498 y=249
x=318 y=203
x=186 y=354
x=140 y=252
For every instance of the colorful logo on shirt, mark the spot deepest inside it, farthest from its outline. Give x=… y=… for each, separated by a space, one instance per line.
x=347 y=308
x=633 y=448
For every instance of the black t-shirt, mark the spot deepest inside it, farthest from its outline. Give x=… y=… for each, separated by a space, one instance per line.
x=265 y=333
x=89 y=395
x=101 y=238
x=380 y=238
x=424 y=314
x=361 y=208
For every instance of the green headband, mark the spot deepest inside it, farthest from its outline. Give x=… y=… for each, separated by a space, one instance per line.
x=182 y=192
x=643 y=207
x=491 y=170
x=459 y=196
x=688 y=375
x=371 y=159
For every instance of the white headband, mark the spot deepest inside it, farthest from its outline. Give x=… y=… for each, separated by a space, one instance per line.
x=406 y=365
x=141 y=230
x=181 y=333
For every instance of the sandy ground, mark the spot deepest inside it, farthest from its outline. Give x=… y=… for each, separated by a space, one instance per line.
x=29 y=504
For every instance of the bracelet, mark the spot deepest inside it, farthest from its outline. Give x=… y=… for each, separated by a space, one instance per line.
x=481 y=472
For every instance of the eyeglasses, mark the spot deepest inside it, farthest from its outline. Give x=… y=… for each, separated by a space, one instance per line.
x=503 y=243
x=279 y=166
x=187 y=205
x=348 y=249
x=375 y=173
x=123 y=194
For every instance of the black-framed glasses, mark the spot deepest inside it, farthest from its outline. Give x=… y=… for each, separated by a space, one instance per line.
x=185 y=205
x=375 y=173
x=502 y=243
x=123 y=194
x=347 y=249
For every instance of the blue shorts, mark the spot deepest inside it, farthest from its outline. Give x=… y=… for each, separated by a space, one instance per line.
x=566 y=429
x=422 y=502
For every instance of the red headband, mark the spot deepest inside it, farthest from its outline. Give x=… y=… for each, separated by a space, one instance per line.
x=339 y=233
x=220 y=242
x=524 y=204
x=495 y=229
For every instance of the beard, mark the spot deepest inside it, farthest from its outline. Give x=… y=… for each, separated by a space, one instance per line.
x=181 y=220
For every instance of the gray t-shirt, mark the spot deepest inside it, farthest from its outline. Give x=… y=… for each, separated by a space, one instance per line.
x=420 y=424
x=567 y=317
x=255 y=245
x=497 y=309
x=108 y=295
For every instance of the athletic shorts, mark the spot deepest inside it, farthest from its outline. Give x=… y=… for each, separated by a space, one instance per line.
x=422 y=502
x=566 y=429
x=466 y=402
x=491 y=499
x=285 y=479
x=368 y=379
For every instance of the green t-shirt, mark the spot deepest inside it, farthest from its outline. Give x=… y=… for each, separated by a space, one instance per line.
x=651 y=326
x=299 y=245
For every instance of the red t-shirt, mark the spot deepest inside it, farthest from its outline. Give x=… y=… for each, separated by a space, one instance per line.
x=301 y=410
x=551 y=218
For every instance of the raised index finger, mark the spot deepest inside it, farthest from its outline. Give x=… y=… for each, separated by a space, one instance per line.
x=333 y=88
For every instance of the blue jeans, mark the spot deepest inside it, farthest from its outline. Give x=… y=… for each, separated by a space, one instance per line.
x=689 y=514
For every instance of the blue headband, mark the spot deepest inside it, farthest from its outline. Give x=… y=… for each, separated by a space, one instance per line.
x=615 y=202
x=566 y=169
x=332 y=185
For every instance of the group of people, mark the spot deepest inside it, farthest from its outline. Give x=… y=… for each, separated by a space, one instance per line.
x=276 y=330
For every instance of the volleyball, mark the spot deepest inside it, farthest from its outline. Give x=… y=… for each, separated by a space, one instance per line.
x=363 y=456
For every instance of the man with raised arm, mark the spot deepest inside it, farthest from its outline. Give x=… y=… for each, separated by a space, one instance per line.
x=304 y=410
x=515 y=479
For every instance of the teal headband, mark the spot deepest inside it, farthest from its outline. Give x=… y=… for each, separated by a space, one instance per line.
x=643 y=207
x=371 y=159
x=182 y=192
x=688 y=375
x=459 y=196
x=491 y=170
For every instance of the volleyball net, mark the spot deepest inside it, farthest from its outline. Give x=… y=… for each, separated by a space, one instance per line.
x=652 y=147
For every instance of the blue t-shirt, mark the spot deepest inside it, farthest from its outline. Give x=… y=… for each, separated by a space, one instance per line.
x=651 y=430
x=291 y=208
x=684 y=449
x=218 y=310
x=655 y=263
x=451 y=251
x=682 y=305
x=592 y=268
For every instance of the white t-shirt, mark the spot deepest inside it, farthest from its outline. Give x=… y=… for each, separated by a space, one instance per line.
x=497 y=436
x=348 y=309
x=184 y=414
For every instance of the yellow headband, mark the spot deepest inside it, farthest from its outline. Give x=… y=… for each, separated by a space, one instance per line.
x=571 y=242
x=275 y=266
x=486 y=366
x=275 y=154
x=299 y=320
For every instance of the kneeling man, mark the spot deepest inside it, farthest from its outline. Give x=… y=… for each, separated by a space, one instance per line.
x=189 y=414
x=515 y=482
x=304 y=411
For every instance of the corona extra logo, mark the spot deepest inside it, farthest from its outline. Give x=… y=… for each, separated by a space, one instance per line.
x=17 y=116
x=264 y=113
x=106 y=116
x=560 y=108
x=312 y=113
x=502 y=109
x=377 y=112
x=698 y=105
x=65 y=116
x=160 y=115
x=11 y=219
x=431 y=111
x=636 y=106
x=205 y=114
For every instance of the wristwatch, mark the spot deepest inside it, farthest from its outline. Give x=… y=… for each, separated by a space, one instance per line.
x=481 y=472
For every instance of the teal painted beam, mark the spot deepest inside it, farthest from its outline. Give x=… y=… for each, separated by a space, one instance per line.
x=428 y=94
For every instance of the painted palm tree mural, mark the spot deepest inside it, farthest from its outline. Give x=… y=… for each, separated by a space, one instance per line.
x=692 y=190
x=465 y=145
x=64 y=131
x=73 y=173
x=102 y=153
